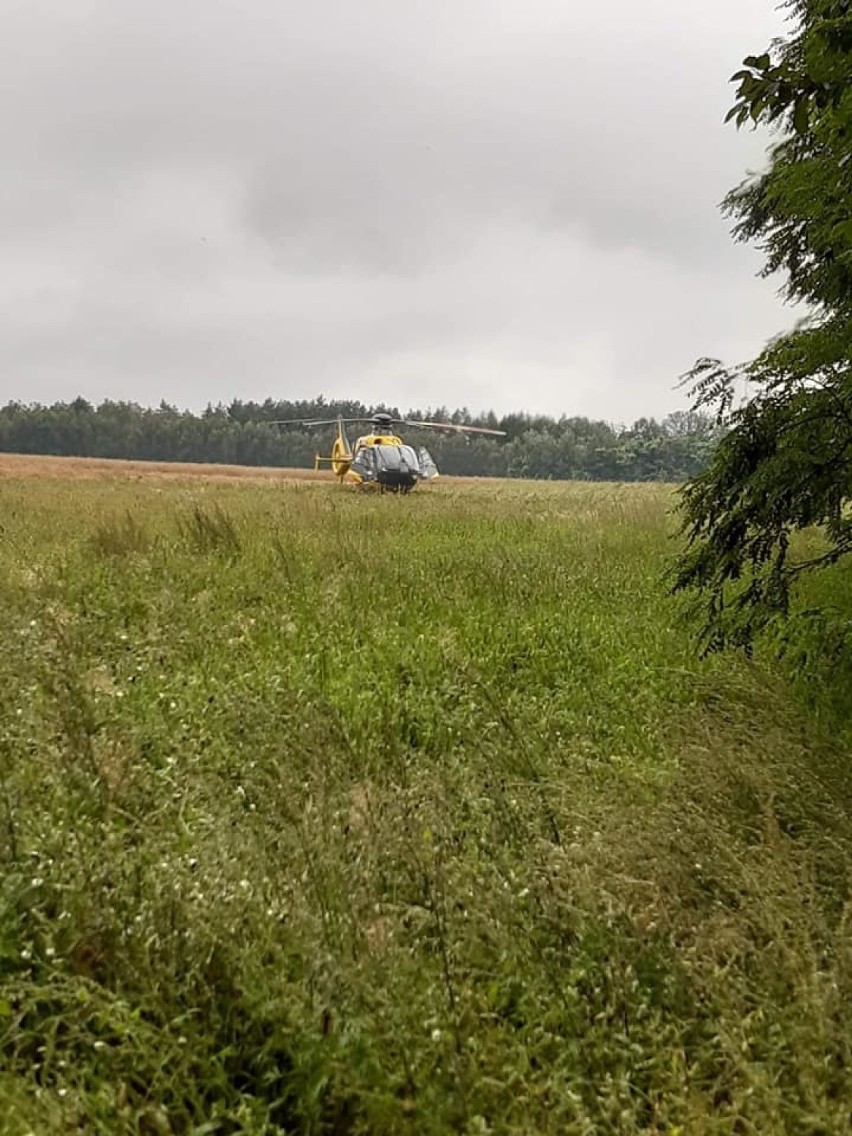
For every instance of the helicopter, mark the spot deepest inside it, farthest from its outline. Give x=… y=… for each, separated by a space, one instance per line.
x=380 y=459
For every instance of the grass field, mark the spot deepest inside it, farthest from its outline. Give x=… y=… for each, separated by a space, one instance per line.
x=333 y=813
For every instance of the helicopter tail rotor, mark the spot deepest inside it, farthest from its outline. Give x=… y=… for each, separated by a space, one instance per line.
x=341 y=451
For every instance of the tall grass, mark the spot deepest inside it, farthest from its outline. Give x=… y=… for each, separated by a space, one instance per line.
x=329 y=813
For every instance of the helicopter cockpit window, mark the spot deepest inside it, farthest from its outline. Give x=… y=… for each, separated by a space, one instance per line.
x=427 y=465
x=392 y=458
x=365 y=463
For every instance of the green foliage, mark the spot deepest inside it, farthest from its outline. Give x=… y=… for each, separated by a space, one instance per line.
x=340 y=814
x=536 y=446
x=785 y=461
x=119 y=536
x=210 y=530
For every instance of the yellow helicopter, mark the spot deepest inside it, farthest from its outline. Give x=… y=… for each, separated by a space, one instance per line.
x=381 y=460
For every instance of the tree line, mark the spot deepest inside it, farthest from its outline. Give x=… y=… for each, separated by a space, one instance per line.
x=242 y=433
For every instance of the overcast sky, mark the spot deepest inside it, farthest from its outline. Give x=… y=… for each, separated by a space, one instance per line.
x=503 y=204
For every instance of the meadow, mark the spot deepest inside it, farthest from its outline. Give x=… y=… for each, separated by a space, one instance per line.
x=333 y=813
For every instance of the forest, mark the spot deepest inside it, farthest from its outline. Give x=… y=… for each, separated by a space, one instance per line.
x=538 y=447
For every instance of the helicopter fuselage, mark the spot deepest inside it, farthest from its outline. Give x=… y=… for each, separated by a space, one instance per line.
x=385 y=461
x=379 y=460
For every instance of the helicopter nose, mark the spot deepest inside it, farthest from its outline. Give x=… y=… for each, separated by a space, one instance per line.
x=397 y=478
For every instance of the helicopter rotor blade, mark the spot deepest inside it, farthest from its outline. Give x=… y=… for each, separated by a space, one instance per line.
x=457 y=428
x=379 y=420
x=310 y=422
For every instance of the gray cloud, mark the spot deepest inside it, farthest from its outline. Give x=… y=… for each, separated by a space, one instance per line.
x=472 y=201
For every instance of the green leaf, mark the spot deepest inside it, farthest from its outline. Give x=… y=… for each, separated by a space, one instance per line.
x=801 y=116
